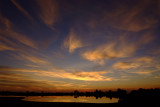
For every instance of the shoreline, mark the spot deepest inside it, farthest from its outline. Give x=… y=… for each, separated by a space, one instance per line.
x=18 y=102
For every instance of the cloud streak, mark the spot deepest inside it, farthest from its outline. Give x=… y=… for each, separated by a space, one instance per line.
x=22 y=10
x=61 y=73
x=84 y=76
x=32 y=58
x=19 y=79
x=125 y=65
x=144 y=72
x=4 y=47
x=10 y=33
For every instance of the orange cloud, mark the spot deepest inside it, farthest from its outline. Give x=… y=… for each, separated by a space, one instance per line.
x=19 y=78
x=122 y=47
x=88 y=76
x=6 y=69
x=4 y=47
x=144 y=59
x=84 y=76
x=109 y=51
x=135 y=63
x=61 y=73
x=21 y=83
x=125 y=65
x=47 y=11
x=144 y=72
x=72 y=42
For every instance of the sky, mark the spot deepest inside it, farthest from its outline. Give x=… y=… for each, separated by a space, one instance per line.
x=66 y=45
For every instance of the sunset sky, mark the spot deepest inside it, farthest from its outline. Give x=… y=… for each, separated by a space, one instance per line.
x=63 y=45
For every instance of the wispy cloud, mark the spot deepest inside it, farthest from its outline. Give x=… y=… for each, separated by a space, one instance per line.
x=143 y=72
x=19 y=79
x=4 y=69
x=20 y=38
x=62 y=73
x=47 y=11
x=119 y=36
x=73 y=42
x=32 y=58
x=22 y=10
x=4 y=47
x=81 y=75
x=26 y=49
x=134 y=63
x=131 y=18
x=145 y=65
x=109 y=51
x=88 y=76
x=10 y=33
x=24 y=84
x=122 y=47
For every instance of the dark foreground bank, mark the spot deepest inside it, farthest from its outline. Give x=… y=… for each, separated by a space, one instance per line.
x=18 y=102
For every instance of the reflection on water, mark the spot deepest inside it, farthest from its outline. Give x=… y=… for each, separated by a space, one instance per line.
x=81 y=99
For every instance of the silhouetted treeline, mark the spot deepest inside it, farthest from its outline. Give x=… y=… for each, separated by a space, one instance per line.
x=119 y=93
x=143 y=97
x=98 y=93
x=136 y=98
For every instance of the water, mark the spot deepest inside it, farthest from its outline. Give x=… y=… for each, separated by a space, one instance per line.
x=81 y=99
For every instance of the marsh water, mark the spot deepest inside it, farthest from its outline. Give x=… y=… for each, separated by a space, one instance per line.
x=72 y=99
